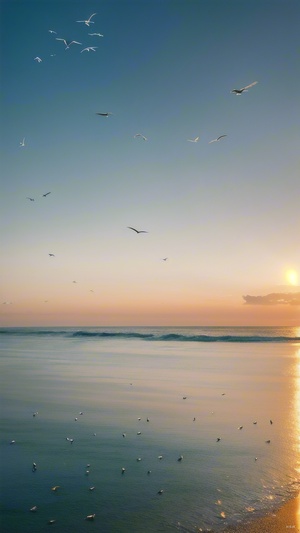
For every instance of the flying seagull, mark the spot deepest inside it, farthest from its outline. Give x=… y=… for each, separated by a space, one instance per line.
x=98 y=34
x=51 y=255
x=104 y=114
x=194 y=140
x=140 y=135
x=52 y=31
x=164 y=258
x=22 y=143
x=88 y=21
x=46 y=194
x=31 y=199
x=217 y=139
x=238 y=92
x=38 y=59
x=137 y=231
x=88 y=48
x=67 y=43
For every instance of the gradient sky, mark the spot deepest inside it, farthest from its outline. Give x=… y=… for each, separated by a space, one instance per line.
x=226 y=214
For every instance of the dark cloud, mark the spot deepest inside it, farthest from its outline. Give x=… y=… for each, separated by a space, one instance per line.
x=275 y=298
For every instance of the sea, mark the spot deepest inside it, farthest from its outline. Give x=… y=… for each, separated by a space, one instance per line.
x=147 y=429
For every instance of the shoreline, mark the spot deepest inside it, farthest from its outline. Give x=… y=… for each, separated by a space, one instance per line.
x=284 y=519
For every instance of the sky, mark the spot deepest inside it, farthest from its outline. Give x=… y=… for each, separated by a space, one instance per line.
x=225 y=214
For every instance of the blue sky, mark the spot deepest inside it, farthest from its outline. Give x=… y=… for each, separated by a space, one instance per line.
x=225 y=214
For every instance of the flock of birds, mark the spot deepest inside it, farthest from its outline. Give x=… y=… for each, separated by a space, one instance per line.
x=88 y=469
x=87 y=22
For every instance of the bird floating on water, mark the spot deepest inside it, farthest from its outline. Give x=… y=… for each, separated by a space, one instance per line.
x=33 y=509
x=55 y=488
x=238 y=92
x=90 y=517
x=217 y=139
x=88 y=21
x=136 y=230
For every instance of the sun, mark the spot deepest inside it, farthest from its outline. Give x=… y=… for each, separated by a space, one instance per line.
x=292 y=277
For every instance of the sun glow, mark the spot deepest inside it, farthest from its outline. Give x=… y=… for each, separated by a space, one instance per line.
x=292 y=277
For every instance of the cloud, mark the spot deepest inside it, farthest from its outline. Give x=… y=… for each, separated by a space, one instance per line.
x=275 y=298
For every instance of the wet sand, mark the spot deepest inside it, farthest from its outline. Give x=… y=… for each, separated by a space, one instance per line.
x=285 y=519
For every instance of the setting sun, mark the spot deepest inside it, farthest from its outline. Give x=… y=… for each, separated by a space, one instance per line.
x=292 y=277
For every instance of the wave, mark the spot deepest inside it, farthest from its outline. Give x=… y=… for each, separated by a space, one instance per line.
x=148 y=336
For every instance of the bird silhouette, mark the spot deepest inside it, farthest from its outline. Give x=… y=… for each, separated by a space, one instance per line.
x=136 y=230
x=238 y=92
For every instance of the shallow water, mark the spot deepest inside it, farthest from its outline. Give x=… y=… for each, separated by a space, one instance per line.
x=114 y=381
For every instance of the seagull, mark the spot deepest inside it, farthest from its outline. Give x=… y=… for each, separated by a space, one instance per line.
x=33 y=509
x=217 y=139
x=51 y=521
x=180 y=458
x=22 y=143
x=238 y=92
x=88 y=48
x=38 y=59
x=88 y=21
x=136 y=230
x=46 y=194
x=218 y=439
x=52 y=31
x=123 y=470
x=90 y=517
x=164 y=259
x=55 y=488
x=51 y=255
x=67 y=43
x=140 y=135
x=98 y=34
x=194 y=140
x=31 y=199
x=92 y=488
x=160 y=491
x=104 y=114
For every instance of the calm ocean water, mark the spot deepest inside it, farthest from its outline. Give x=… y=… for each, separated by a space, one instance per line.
x=139 y=399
